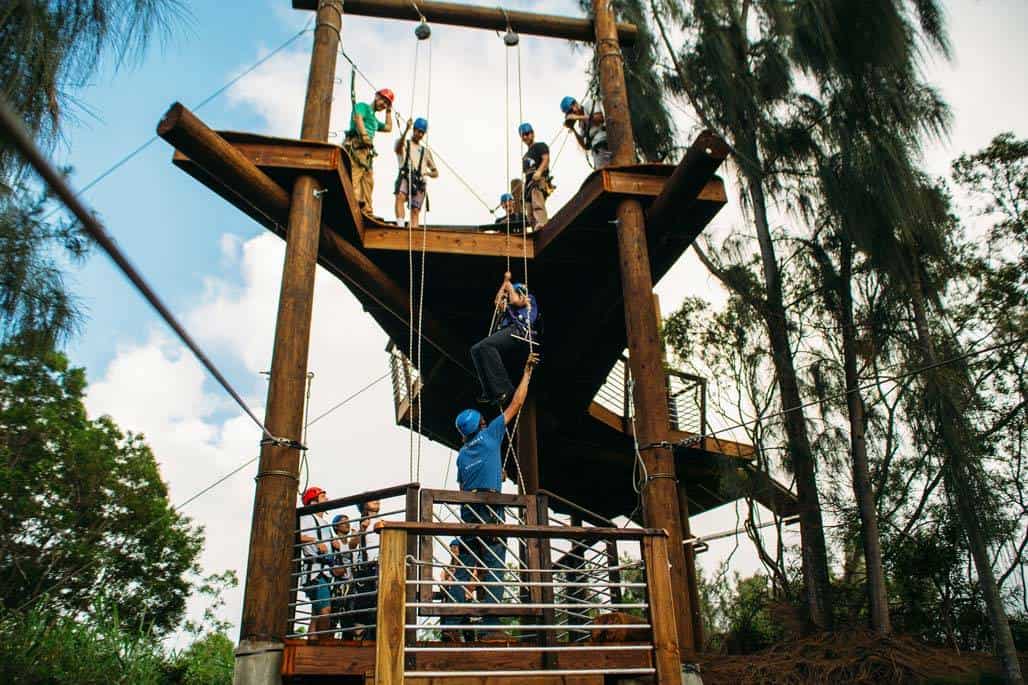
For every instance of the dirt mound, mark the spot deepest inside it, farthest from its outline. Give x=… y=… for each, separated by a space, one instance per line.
x=860 y=657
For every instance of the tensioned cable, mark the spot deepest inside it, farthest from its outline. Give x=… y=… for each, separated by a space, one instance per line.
x=197 y=495
x=12 y=126
x=197 y=107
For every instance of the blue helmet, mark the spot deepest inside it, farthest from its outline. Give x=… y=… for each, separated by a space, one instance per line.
x=421 y=124
x=521 y=288
x=566 y=103
x=506 y=197
x=337 y=518
x=455 y=542
x=525 y=128
x=468 y=422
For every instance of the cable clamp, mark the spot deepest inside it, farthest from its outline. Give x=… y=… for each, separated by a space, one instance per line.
x=277 y=472
x=663 y=444
x=319 y=192
x=669 y=476
x=284 y=442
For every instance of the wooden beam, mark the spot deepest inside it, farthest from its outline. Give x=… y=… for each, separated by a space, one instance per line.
x=689 y=179
x=659 y=592
x=392 y=577
x=440 y=240
x=471 y=16
x=230 y=167
x=502 y=531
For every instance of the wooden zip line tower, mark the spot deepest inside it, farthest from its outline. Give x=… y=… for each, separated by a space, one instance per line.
x=628 y=223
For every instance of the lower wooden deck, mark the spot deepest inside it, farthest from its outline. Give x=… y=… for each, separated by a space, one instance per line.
x=354 y=661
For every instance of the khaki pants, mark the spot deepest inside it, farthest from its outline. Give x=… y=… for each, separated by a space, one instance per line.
x=536 y=208
x=362 y=176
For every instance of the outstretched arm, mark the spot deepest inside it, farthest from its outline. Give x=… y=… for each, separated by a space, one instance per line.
x=521 y=393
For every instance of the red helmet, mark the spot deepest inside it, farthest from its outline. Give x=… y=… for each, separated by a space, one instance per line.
x=311 y=494
x=386 y=94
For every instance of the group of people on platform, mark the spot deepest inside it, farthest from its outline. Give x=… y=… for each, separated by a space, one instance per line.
x=340 y=578
x=524 y=204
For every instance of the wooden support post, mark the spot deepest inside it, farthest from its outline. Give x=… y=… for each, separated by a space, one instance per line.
x=392 y=577
x=266 y=595
x=645 y=356
x=412 y=513
x=659 y=594
x=547 y=638
x=528 y=447
x=692 y=586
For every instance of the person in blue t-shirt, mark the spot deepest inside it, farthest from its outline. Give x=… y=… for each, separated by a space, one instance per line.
x=519 y=323
x=479 y=469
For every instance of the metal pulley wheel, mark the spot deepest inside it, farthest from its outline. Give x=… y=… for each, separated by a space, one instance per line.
x=510 y=39
x=423 y=30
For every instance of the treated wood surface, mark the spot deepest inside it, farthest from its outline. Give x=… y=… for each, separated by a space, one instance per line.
x=392 y=574
x=662 y=614
x=510 y=680
x=441 y=241
x=479 y=17
x=530 y=532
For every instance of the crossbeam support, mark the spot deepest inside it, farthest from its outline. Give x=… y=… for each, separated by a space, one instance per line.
x=471 y=16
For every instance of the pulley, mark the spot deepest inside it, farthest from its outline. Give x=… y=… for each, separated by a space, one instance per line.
x=510 y=39
x=423 y=30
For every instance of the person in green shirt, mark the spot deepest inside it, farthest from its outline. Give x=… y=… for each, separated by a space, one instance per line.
x=360 y=147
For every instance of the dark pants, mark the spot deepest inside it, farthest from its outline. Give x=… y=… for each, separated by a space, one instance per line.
x=481 y=551
x=491 y=356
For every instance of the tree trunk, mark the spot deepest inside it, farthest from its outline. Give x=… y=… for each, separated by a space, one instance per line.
x=960 y=480
x=812 y=534
x=863 y=493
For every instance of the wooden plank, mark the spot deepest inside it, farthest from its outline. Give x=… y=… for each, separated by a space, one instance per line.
x=510 y=680
x=412 y=514
x=561 y=532
x=698 y=165
x=628 y=183
x=441 y=241
x=426 y=572
x=392 y=576
x=350 y=500
x=471 y=16
x=325 y=658
x=590 y=191
x=463 y=497
x=601 y=413
x=663 y=616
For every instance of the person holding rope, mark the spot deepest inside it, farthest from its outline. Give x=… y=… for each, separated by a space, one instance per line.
x=510 y=214
x=535 y=167
x=590 y=130
x=480 y=469
x=360 y=146
x=416 y=162
x=518 y=314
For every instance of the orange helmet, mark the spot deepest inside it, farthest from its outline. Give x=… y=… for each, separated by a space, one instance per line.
x=387 y=95
x=311 y=494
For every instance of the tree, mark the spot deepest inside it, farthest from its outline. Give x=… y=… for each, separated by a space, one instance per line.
x=83 y=511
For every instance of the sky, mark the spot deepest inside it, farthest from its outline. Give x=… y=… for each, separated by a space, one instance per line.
x=220 y=272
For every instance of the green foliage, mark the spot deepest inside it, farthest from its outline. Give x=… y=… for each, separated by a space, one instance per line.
x=208 y=661
x=36 y=307
x=83 y=511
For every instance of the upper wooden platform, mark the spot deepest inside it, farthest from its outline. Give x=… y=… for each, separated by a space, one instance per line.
x=573 y=269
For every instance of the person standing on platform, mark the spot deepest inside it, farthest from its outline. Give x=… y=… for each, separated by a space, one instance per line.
x=535 y=167
x=519 y=323
x=480 y=469
x=590 y=130
x=416 y=162
x=360 y=144
x=316 y=535
x=453 y=594
x=511 y=216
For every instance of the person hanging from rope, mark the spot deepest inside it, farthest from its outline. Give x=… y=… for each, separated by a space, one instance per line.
x=517 y=312
x=480 y=469
x=589 y=128
x=318 y=552
x=535 y=167
x=360 y=146
x=416 y=162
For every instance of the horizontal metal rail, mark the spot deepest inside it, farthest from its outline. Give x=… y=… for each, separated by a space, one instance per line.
x=355 y=595
x=621 y=567
x=357 y=520
x=351 y=550
x=337 y=630
x=533 y=626
x=353 y=565
x=515 y=674
x=527 y=605
x=524 y=583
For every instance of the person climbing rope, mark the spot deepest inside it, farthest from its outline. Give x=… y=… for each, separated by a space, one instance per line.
x=535 y=167
x=589 y=128
x=360 y=146
x=416 y=162
x=518 y=321
x=511 y=217
x=480 y=469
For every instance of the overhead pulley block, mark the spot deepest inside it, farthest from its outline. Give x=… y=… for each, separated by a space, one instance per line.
x=423 y=30
x=510 y=39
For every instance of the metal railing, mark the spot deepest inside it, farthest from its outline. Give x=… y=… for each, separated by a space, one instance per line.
x=334 y=577
x=686 y=397
x=523 y=616
x=406 y=382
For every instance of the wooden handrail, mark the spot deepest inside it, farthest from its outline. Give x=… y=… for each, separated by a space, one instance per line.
x=503 y=531
x=383 y=493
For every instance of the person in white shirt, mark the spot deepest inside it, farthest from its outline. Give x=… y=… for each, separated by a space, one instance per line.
x=416 y=163
x=318 y=550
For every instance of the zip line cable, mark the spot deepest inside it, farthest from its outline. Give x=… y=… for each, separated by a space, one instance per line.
x=12 y=127
x=197 y=107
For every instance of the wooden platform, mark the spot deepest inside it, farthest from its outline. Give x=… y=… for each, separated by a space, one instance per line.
x=573 y=270
x=302 y=659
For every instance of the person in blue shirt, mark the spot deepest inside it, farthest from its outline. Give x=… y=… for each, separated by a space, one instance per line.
x=479 y=469
x=519 y=323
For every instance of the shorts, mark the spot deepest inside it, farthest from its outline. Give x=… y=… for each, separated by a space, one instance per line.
x=319 y=593
x=417 y=201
